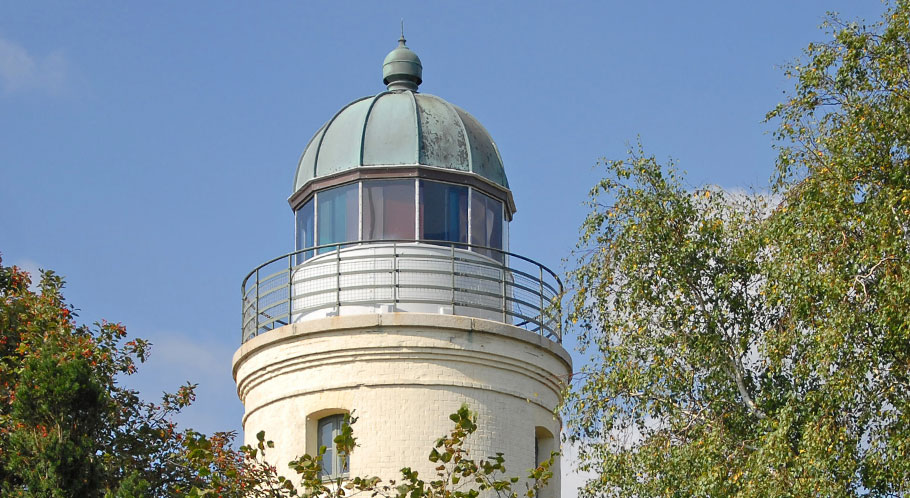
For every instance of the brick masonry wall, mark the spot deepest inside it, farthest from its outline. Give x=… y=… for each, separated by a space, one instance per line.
x=402 y=374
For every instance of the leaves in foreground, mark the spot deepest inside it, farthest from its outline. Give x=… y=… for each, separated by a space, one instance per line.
x=247 y=473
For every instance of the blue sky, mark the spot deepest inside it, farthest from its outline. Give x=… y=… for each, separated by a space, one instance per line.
x=147 y=150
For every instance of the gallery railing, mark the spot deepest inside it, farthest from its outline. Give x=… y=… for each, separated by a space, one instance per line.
x=402 y=275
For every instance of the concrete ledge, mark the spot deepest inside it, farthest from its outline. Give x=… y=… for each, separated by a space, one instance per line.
x=335 y=324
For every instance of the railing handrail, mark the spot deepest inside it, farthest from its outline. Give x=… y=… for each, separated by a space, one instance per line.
x=444 y=243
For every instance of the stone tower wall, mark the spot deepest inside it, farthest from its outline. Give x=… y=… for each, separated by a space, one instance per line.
x=402 y=374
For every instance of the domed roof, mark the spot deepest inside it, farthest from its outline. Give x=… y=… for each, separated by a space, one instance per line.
x=401 y=127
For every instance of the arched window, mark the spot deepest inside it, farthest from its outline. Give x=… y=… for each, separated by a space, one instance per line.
x=333 y=464
x=544 y=444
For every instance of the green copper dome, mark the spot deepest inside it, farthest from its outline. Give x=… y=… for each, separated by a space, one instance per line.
x=401 y=127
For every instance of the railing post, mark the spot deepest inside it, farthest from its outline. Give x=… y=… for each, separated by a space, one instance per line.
x=256 y=320
x=396 y=277
x=559 y=322
x=453 y=278
x=540 y=268
x=502 y=278
x=290 y=287
x=338 y=279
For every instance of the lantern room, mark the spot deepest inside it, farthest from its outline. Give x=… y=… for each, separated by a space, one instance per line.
x=401 y=204
x=402 y=165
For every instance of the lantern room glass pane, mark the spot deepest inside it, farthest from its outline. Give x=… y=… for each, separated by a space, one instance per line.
x=443 y=211
x=388 y=209
x=486 y=223
x=337 y=215
x=305 y=230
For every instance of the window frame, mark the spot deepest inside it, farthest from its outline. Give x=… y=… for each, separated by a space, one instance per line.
x=309 y=239
x=366 y=185
x=342 y=191
x=313 y=203
x=467 y=213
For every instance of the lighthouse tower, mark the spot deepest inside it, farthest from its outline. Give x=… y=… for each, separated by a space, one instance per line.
x=403 y=299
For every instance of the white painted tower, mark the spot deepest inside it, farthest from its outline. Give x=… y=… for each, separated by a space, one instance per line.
x=402 y=300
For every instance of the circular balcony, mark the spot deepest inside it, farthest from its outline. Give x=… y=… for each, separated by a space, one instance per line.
x=402 y=276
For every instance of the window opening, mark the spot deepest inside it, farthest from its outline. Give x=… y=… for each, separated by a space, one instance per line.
x=333 y=464
x=388 y=209
x=544 y=444
x=486 y=224
x=305 y=217
x=443 y=212
x=338 y=214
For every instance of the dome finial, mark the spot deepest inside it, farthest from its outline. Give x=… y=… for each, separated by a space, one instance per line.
x=401 y=69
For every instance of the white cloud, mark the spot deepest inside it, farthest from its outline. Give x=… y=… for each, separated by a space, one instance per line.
x=205 y=358
x=571 y=478
x=22 y=71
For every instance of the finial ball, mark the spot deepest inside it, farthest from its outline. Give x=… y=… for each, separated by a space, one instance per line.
x=401 y=69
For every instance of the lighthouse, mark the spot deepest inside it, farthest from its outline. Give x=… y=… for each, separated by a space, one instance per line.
x=403 y=299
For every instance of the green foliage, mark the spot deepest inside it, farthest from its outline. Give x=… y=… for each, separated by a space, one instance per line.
x=844 y=232
x=668 y=296
x=59 y=454
x=749 y=345
x=225 y=472
x=66 y=427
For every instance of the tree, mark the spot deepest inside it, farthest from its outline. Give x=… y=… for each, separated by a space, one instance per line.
x=67 y=428
x=749 y=345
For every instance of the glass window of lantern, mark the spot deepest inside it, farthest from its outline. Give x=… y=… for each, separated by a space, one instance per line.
x=486 y=223
x=388 y=209
x=443 y=212
x=337 y=215
x=305 y=230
